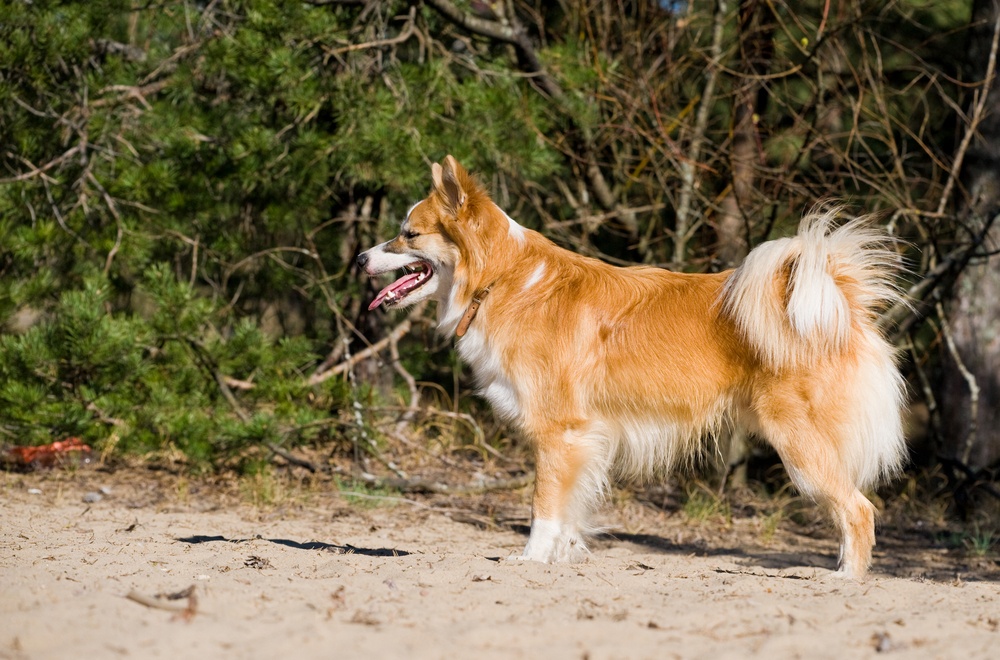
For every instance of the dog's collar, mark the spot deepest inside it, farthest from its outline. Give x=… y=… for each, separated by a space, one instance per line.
x=470 y=313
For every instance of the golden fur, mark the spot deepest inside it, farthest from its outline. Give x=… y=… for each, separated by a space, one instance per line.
x=622 y=371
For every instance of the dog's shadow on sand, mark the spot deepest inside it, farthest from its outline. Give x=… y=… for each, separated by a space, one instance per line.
x=903 y=555
x=775 y=560
x=778 y=560
x=346 y=549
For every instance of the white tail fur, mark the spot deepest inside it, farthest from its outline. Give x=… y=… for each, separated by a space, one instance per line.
x=837 y=279
x=798 y=300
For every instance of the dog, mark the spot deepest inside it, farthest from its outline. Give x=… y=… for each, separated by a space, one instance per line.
x=617 y=372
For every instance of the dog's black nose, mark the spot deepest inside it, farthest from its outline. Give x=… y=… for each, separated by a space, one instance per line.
x=362 y=259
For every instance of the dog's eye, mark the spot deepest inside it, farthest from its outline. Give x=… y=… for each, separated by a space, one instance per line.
x=410 y=235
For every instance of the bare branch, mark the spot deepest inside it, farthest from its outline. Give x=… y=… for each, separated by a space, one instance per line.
x=40 y=171
x=422 y=485
x=514 y=34
x=397 y=333
x=684 y=227
x=974 y=121
x=970 y=379
x=398 y=39
x=411 y=384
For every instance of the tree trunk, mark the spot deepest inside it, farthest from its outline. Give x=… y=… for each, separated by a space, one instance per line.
x=738 y=207
x=968 y=389
x=756 y=47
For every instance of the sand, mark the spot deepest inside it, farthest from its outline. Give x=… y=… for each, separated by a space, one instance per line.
x=326 y=578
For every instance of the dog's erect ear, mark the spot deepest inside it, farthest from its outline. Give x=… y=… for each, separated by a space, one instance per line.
x=448 y=181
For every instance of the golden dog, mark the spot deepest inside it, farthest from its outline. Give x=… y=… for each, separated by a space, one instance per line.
x=622 y=371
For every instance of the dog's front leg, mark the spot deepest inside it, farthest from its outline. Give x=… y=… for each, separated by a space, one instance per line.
x=559 y=507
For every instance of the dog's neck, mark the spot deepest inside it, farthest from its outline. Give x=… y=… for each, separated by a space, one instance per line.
x=470 y=313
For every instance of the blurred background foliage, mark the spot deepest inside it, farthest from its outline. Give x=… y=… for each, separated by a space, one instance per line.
x=184 y=186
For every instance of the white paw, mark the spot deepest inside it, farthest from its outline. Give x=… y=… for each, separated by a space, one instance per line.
x=552 y=541
x=842 y=574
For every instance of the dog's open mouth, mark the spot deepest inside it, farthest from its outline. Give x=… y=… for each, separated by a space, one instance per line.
x=417 y=275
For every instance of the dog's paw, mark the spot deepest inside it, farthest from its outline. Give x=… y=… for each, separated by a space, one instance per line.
x=552 y=542
x=521 y=557
x=842 y=575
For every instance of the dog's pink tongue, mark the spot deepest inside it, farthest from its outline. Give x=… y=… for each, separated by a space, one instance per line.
x=395 y=286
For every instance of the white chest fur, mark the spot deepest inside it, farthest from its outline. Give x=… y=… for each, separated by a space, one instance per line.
x=494 y=383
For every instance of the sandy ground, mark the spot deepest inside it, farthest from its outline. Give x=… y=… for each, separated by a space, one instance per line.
x=325 y=579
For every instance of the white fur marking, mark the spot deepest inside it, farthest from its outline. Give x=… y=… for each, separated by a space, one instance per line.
x=380 y=261
x=493 y=381
x=514 y=230
x=543 y=540
x=450 y=312
x=815 y=304
x=553 y=541
x=501 y=395
x=535 y=277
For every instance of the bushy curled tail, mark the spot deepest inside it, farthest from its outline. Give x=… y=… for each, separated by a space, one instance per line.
x=809 y=304
x=796 y=299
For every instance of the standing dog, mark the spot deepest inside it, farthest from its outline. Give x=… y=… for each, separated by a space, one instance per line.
x=621 y=371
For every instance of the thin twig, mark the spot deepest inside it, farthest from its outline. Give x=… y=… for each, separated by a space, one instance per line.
x=397 y=333
x=166 y=602
x=291 y=458
x=398 y=39
x=411 y=384
x=40 y=171
x=596 y=219
x=684 y=227
x=933 y=412
x=977 y=116
x=970 y=379
x=915 y=304
x=421 y=485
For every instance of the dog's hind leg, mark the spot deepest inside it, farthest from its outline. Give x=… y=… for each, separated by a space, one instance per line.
x=569 y=479
x=812 y=460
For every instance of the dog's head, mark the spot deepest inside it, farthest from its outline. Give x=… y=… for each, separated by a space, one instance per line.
x=445 y=238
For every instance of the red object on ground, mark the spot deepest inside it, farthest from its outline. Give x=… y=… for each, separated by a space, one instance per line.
x=48 y=455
